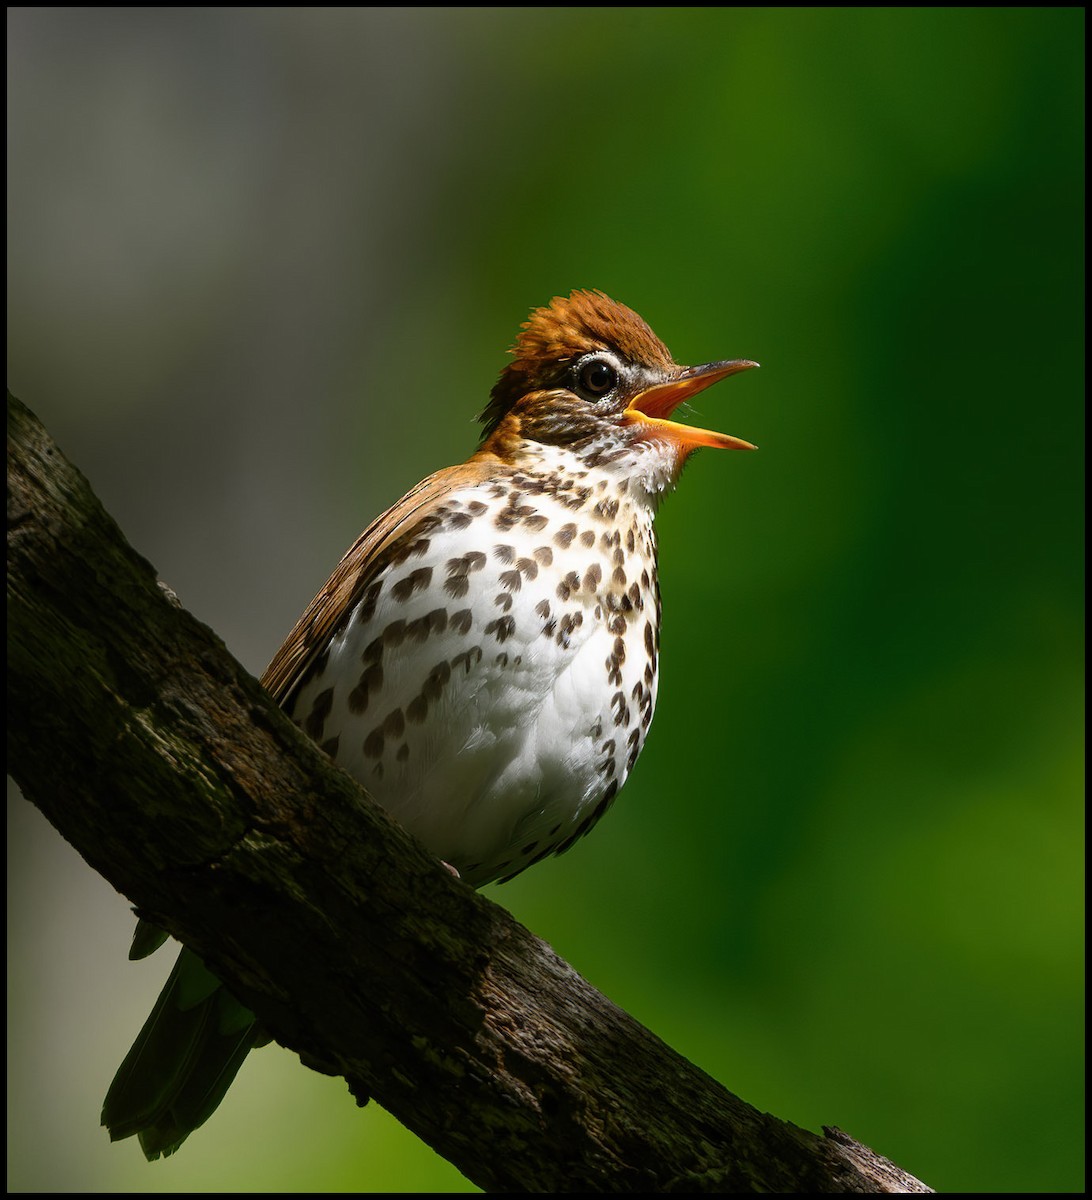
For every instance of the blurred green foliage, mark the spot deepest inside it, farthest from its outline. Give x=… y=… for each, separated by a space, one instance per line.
x=262 y=266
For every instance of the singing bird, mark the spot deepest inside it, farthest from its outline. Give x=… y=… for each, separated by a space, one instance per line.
x=484 y=657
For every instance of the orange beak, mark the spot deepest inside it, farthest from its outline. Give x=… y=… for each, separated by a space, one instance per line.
x=655 y=405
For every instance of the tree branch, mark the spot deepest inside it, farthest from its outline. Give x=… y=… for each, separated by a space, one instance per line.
x=175 y=776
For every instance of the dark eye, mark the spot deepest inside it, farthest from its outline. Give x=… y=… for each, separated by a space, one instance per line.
x=596 y=378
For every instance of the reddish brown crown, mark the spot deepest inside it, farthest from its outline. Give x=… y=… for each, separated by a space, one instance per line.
x=554 y=336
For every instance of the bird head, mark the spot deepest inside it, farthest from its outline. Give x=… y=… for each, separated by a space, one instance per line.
x=590 y=376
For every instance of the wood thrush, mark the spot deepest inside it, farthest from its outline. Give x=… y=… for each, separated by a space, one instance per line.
x=484 y=657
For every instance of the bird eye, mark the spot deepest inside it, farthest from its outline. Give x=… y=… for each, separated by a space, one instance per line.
x=596 y=378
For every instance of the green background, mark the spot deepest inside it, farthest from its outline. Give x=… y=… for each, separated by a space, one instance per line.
x=263 y=267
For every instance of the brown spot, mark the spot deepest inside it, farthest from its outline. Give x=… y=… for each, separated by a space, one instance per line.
x=415 y=581
x=371 y=680
x=437 y=678
x=588 y=537
x=565 y=535
x=394 y=634
x=512 y=580
x=592 y=576
x=462 y=620
x=503 y=601
x=458 y=520
x=422 y=627
x=456 y=585
x=536 y=522
x=502 y=628
x=616 y=624
x=468 y=658
x=417 y=710
x=570 y=584
x=542 y=609
x=502 y=659
x=650 y=645
x=464 y=564
x=330 y=746
x=373 y=744
x=367 y=606
x=373 y=651
x=607 y=509
x=403 y=752
x=544 y=555
x=476 y=508
x=320 y=710
x=631 y=540
x=394 y=723
x=618 y=577
x=528 y=566
x=529 y=848
x=504 y=553
x=569 y=623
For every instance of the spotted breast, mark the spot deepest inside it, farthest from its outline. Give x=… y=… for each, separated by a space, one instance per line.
x=493 y=684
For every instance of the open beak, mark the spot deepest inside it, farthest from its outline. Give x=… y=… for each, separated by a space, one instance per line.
x=655 y=405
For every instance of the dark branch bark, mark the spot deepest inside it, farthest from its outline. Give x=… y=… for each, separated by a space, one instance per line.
x=171 y=771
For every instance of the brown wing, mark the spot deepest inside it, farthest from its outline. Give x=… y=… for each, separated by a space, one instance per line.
x=345 y=586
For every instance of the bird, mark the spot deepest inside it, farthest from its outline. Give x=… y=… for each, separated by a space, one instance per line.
x=484 y=658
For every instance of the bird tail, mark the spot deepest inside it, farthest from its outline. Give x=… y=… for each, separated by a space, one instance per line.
x=184 y=1059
